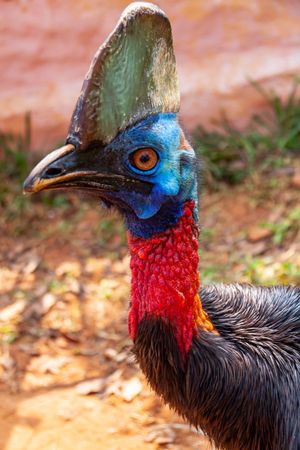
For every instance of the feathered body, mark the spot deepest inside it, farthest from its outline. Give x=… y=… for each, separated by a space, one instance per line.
x=227 y=358
x=229 y=363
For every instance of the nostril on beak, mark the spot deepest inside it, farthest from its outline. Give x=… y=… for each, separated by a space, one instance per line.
x=53 y=172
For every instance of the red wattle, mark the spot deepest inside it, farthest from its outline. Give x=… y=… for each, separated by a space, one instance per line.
x=165 y=279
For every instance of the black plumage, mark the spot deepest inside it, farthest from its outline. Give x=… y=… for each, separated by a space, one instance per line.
x=240 y=387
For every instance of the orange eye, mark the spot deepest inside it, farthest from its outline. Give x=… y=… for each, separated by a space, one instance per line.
x=144 y=158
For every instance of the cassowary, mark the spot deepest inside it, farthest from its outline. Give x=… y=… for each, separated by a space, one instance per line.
x=225 y=357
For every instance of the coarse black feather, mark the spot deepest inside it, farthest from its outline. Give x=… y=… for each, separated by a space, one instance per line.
x=241 y=386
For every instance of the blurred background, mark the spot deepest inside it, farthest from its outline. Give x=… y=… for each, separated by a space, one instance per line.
x=67 y=379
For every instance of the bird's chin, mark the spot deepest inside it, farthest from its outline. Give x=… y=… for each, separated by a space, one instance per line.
x=118 y=205
x=107 y=202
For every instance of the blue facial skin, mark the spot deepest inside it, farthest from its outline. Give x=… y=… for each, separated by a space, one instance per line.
x=174 y=177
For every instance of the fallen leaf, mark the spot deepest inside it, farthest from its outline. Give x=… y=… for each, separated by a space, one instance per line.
x=90 y=386
x=256 y=233
x=45 y=304
x=109 y=336
x=32 y=264
x=47 y=301
x=28 y=262
x=112 y=355
x=73 y=285
x=40 y=307
x=68 y=268
x=98 y=266
x=49 y=364
x=130 y=389
x=12 y=311
x=98 y=385
x=258 y=248
x=10 y=375
x=7 y=362
x=161 y=435
x=28 y=349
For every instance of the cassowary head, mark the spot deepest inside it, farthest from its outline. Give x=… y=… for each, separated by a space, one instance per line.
x=125 y=144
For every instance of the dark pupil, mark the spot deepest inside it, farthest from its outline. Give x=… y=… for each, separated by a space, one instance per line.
x=144 y=158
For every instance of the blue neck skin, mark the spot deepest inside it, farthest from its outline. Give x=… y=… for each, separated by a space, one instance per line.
x=174 y=179
x=166 y=217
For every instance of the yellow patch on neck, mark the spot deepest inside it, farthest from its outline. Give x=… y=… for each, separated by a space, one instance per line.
x=201 y=317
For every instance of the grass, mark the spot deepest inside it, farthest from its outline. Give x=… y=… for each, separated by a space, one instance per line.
x=264 y=271
x=8 y=334
x=108 y=229
x=282 y=228
x=270 y=140
x=16 y=161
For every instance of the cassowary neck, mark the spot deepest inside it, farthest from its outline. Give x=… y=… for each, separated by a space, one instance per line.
x=165 y=280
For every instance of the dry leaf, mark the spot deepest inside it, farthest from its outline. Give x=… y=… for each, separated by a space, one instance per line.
x=49 y=364
x=112 y=355
x=130 y=389
x=256 y=233
x=161 y=435
x=109 y=336
x=7 y=361
x=12 y=311
x=42 y=306
x=90 y=386
x=47 y=301
x=125 y=389
x=68 y=268
x=113 y=385
x=29 y=349
x=27 y=262
x=98 y=385
x=32 y=264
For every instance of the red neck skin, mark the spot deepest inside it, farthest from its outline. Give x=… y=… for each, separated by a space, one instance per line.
x=165 y=280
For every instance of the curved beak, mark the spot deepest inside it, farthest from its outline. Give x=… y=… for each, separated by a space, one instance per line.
x=60 y=169
x=43 y=176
